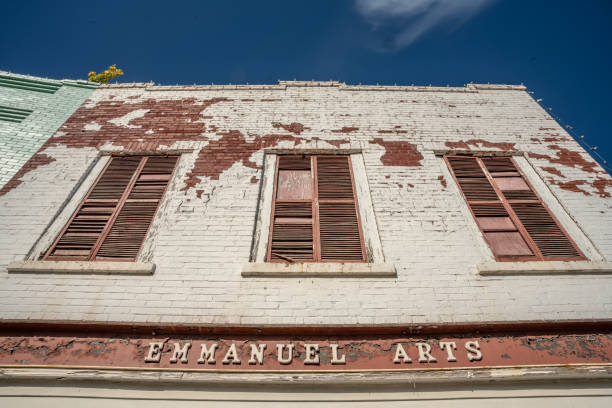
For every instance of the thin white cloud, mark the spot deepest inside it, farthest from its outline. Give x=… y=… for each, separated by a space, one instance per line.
x=413 y=18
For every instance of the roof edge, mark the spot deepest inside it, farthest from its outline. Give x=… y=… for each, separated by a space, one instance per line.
x=49 y=81
x=283 y=85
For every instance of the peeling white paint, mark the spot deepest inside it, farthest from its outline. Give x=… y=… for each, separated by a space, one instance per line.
x=92 y=126
x=110 y=147
x=124 y=121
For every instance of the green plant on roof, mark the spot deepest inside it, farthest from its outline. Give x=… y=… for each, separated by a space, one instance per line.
x=105 y=76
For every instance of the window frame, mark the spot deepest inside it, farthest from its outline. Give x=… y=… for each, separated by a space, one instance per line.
x=315 y=200
x=46 y=254
x=537 y=254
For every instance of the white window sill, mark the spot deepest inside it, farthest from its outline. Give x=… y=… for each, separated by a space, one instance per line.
x=82 y=267
x=316 y=269
x=545 y=267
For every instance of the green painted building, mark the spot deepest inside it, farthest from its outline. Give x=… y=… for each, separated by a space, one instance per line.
x=31 y=110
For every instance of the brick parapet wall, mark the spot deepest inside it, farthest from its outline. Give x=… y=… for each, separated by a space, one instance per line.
x=204 y=232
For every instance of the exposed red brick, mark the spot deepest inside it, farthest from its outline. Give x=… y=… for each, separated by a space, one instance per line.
x=600 y=185
x=270 y=100
x=543 y=128
x=345 y=130
x=39 y=159
x=199 y=193
x=167 y=121
x=479 y=143
x=220 y=155
x=555 y=139
x=294 y=127
x=442 y=181
x=254 y=180
x=572 y=185
x=247 y=100
x=554 y=171
x=335 y=142
x=568 y=158
x=399 y=153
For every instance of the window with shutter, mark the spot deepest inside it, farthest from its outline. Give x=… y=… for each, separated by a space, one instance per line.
x=113 y=219
x=315 y=216
x=515 y=222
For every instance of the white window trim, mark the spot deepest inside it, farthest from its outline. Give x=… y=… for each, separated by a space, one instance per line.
x=375 y=266
x=595 y=263
x=143 y=264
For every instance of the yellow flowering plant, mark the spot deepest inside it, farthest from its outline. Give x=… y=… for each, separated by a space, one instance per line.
x=105 y=76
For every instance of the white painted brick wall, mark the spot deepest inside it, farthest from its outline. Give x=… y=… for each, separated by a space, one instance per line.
x=425 y=229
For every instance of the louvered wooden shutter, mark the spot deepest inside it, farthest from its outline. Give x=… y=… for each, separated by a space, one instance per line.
x=315 y=215
x=339 y=229
x=292 y=219
x=515 y=222
x=114 y=218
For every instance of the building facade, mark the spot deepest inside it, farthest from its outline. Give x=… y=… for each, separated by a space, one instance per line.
x=31 y=110
x=307 y=241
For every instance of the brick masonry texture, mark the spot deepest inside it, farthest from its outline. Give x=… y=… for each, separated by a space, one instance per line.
x=203 y=234
x=19 y=141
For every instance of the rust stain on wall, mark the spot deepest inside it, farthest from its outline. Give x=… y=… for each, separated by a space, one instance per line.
x=399 y=153
x=39 y=159
x=480 y=143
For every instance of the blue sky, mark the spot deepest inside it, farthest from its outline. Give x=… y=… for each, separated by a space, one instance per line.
x=560 y=49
